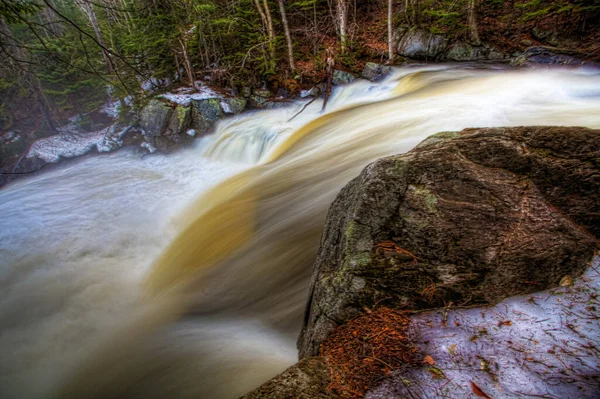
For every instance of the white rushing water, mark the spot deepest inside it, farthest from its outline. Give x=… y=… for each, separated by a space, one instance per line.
x=92 y=253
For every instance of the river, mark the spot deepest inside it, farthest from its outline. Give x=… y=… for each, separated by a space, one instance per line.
x=186 y=275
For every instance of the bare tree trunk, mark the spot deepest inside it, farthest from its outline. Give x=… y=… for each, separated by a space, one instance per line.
x=271 y=33
x=265 y=16
x=390 y=32
x=187 y=65
x=288 y=37
x=30 y=78
x=473 y=29
x=42 y=102
x=342 y=17
x=330 y=65
x=88 y=10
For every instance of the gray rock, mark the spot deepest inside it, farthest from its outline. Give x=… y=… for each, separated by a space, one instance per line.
x=174 y=134
x=259 y=98
x=342 y=77
x=154 y=117
x=479 y=216
x=233 y=105
x=462 y=51
x=263 y=93
x=541 y=55
x=375 y=72
x=205 y=113
x=419 y=44
x=307 y=379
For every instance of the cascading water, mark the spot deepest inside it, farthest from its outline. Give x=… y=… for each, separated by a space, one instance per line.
x=186 y=276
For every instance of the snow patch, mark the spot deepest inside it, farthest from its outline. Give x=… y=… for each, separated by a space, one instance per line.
x=148 y=147
x=185 y=95
x=9 y=138
x=111 y=109
x=226 y=107
x=545 y=344
x=52 y=149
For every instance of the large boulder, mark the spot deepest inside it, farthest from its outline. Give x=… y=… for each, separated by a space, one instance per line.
x=421 y=45
x=341 y=78
x=307 y=379
x=174 y=135
x=154 y=117
x=375 y=72
x=205 y=113
x=541 y=55
x=468 y=218
x=463 y=51
x=233 y=105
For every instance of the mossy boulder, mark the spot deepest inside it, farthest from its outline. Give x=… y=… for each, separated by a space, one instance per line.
x=154 y=117
x=342 y=77
x=205 y=113
x=469 y=218
x=375 y=72
x=174 y=135
x=233 y=105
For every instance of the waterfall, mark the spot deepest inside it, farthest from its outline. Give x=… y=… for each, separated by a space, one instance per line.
x=186 y=275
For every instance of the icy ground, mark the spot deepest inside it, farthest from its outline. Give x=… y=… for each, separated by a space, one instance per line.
x=185 y=95
x=544 y=345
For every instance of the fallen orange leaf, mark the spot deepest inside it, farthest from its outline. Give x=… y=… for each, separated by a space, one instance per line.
x=429 y=360
x=478 y=392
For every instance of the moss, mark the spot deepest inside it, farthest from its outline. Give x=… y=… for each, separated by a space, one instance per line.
x=429 y=198
x=182 y=114
x=446 y=135
x=362 y=259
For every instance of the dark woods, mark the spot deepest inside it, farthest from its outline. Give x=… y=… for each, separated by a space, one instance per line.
x=65 y=57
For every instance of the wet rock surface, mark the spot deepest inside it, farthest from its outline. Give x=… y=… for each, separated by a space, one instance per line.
x=420 y=45
x=342 y=77
x=307 y=379
x=375 y=72
x=465 y=218
x=542 y=55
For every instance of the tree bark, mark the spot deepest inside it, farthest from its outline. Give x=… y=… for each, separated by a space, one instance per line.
x=288 y=37
x=390 y=32
x=265 y=16
x=187 y=65
x=473 y=29
x=30 y=79
x=88 y=10
x=342 y=17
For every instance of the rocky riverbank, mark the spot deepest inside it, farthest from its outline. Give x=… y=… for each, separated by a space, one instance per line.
x=173 y=119
x=454 y=228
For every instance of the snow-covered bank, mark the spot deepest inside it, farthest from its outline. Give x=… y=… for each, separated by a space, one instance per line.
x=542 y=345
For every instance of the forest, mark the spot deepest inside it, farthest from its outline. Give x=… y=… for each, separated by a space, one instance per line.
x=65 y=57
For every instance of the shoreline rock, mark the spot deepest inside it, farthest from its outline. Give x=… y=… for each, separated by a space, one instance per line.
x=466 y=218
x=461 y=218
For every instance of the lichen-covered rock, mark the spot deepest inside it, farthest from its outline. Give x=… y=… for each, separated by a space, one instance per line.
x=541 y=55
x=420 y=44
x=205 y=113
x=469 y=218
x=342 y=77
x=233 y=105
x=154 y=117
x=463 y=51
x=375 y=72
x=174 y=135
x=307 y=379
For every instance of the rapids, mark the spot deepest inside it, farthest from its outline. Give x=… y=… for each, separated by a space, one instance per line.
x=185 y=276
